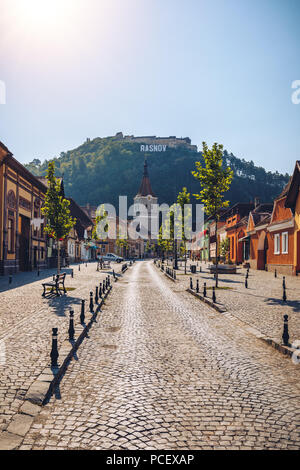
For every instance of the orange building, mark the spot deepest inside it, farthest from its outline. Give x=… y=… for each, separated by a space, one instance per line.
x=258 y=222
x=22 y=240
x=236 y=228
x=293 y=202
x=281 y=236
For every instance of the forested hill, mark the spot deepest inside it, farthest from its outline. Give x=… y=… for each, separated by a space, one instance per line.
x=102 y=169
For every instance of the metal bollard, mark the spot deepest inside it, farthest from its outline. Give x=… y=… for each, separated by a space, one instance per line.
x=285 y=334
x=72 y=273
x=284 y=294
x=82 y=316
x=109 y=280
x=246 y=282
x=96 y=295
x=204 y=290
x=71 y=326
x=100 y=290
x=191 y=283
x=114 y=275
x=213 y=295
x=103 y=287
x=79 y=267
x=91 y=303
x=283 y=282
x=175 y=275
x=197 y=286
x=54 y=351
x=275 y=273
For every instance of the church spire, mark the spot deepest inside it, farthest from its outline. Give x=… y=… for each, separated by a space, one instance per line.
x=145 y=187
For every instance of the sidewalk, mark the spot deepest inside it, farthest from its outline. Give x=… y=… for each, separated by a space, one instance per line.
x=260 y=305
x=26 y=322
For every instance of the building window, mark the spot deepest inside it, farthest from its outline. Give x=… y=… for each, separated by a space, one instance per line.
x=285 y=242
x=10 y=235
x=277 y=244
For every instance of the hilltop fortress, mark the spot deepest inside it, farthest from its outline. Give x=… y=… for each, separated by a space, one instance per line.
x=151 y=143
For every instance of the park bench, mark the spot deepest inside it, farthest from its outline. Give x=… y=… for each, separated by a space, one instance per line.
x=58 y=280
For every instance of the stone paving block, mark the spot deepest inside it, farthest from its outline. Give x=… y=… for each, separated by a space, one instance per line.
x=9 y=441
x=20 y=424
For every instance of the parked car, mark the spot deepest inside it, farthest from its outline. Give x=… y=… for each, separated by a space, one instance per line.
x=111 y=257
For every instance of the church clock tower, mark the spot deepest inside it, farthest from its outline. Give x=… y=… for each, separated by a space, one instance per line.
x=146 y=197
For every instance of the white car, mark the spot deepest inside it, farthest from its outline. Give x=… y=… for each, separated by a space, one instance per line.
x=111 y=257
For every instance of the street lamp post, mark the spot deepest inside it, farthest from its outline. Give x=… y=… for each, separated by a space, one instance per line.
x=175 y=264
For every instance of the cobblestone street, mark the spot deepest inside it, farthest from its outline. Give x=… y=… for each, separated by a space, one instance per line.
x=161 y=370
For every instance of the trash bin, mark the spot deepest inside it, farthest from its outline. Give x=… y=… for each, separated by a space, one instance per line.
x=193 y=269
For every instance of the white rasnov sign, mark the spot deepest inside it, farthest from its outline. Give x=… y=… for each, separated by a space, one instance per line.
x=153 y=148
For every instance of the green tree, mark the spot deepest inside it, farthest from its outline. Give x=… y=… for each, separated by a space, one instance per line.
x=215 y=180
x=225 y=248
x=57 y=212
x=184 y=198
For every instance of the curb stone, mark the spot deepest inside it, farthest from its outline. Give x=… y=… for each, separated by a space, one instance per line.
x=207 y=301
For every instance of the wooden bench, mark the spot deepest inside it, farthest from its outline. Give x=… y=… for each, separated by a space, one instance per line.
x=59 y=280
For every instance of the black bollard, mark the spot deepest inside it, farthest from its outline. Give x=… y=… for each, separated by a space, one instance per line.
x=103 y=287
x=79 y=267
x=283 y=282
x=109 y=280
x=246 y=282
x=91 y=303
x=275 y=273
x=247 y=274
x=285 y=334
x=72 y=273
x=175 y=275
x=200 y=269
x=96 y=295
x=107 y=285
x=54 y=350
x=204 y=290
x=71 y=326
x=82 y=316
x=191 y=283
x=114 y=275
x=100 y=290
x=284 y=294
x=197 y=286
x=213 y=295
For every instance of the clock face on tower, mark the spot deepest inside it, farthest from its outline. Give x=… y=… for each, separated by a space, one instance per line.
x=149 y=197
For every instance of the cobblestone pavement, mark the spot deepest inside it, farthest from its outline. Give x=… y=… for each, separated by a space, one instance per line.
x=161 y=370
x=260 y=305
x=26 y=322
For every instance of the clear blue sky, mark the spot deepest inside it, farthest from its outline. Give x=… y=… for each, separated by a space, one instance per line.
x=214 y=70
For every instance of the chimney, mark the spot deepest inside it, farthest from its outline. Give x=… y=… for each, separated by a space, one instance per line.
x=256 y=202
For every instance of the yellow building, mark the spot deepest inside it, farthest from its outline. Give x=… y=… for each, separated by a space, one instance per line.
x=22 y=241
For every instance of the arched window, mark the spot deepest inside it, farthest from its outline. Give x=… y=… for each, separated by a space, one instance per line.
x=11 y=199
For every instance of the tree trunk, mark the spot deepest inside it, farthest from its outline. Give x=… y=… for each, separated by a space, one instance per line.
x=185 y=260
x=216 y=253
x=58 y=256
